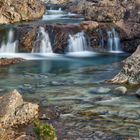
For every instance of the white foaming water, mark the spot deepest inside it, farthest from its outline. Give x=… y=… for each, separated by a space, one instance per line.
x=77 y=43
x=45 y=44
x=31 y=56
x=113 y=42
x=82 y=54
x=10 y=46
x=51 y=11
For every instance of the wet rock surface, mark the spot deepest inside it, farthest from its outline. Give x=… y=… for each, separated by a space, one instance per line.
x=5 y=61
x=58 y=34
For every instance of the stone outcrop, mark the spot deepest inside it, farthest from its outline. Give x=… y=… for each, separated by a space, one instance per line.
x=12 y=11
x=119 y=14
x=14 y=111
x=58 y=33
x=130 y=72
x=106 y=10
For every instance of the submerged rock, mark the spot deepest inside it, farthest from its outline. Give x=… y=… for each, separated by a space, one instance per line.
x=100 y=90
x=130 y=72
x=14 y=111
x=129 y=114
x=49 y=113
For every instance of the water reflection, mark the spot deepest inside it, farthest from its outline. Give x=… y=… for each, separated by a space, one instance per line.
x=62 y=64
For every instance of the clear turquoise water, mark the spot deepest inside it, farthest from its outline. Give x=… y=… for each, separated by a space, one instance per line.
x=66 y=82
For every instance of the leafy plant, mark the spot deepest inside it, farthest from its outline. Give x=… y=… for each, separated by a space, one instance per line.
x=44 y=131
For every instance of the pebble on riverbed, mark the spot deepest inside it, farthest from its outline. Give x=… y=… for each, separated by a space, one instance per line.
x=120 y=90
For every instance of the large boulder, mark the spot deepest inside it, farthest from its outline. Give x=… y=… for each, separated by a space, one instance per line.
x=16 y=10
x=130 y=72
x=14 y=111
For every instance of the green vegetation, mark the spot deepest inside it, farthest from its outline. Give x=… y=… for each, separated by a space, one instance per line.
x=44 y=131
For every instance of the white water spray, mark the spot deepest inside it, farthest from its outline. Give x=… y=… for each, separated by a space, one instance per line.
x=45 y=44
x=10 y=46
x=113 y=42
x=77 y=43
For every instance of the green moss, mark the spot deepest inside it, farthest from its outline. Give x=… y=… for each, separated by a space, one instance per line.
x=44 y=131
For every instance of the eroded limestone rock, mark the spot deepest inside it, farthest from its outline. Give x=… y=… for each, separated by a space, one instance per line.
x=14 y=111
x=130 y=72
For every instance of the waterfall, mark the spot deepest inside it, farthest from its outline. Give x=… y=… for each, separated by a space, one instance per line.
x=10 y=46
x=60 y=9
x=77 y=42
x=42 y=44
x=113 y=42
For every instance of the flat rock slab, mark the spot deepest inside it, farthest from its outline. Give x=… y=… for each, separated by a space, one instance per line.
x=5 y=61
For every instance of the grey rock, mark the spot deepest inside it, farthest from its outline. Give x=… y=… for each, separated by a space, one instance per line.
x=121 y=89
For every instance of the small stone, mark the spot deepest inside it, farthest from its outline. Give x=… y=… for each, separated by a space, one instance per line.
x=121 y=89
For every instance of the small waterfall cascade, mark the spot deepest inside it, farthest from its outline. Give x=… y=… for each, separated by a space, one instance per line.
x=55 y=11
x=113 y=42
x=77 y=42
x=60 y=9
x=10 y=46
x=42 y=44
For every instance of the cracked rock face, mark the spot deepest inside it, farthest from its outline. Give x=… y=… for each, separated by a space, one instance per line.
x=12 y=11
x=130 y=72
x=14 y=111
